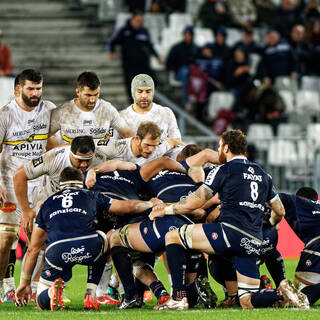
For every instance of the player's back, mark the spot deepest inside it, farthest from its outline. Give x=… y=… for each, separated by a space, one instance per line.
x=70 y=213
x=243 y=189
x=303 y=216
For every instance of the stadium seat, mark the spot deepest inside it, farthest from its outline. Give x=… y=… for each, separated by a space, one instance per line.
x=254 y=60
x=169 y=38
x=178 y=21
x=172 y=80
x=308 y=102
x=219 y=100
x=310 y=83
x=282 y=152
x=287 y=130
x=234 y=35
x=122 y=18
x=6 y=89
x=288 y=99
x=286 y=83
x=260 y=134
x=202 y=36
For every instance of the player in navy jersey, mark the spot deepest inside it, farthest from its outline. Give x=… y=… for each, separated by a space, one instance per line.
x=243 y=189
x=146 y=236
x=67 y=224
x=303 y=216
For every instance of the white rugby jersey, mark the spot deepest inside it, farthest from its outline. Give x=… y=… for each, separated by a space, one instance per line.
x=51 y=164
x=23 y=136
x=162 y=116
x=73 y=122
x=121 y=149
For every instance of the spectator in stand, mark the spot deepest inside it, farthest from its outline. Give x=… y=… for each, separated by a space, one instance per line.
x=134 y=5
x=313 y=32
x=278 y=59
x=170 y=6
x=136 y=47
x=248 y=43
x=6 y=65
x=287 y=15
x=181 y=56
x=213 y=14
x=265 y=11
x=220 y=47
x=312 y=10
x=302 y=48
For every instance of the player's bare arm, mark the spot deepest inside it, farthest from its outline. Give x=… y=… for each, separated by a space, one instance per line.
x=107 y=166
x=192 y=202
x=151 y=168
x=20 y=181
x=277 y=210
x=2 y=197
x=24 y=292
x=129 y=206
x=204 y=156
x=127 y=132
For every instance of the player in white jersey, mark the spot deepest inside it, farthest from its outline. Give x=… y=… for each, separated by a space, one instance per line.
x=144 y=109
x=24 y=127
x=81 y=155
x=87 y=114
x=142 y=148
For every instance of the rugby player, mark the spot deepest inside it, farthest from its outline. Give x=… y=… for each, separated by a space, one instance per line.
x=87 y=114
x=303 y=216
x=144 y=109
x=66 y=223
x=24 y=128
x=243 y=189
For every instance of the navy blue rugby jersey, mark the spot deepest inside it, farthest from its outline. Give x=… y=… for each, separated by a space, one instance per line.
x=120 y=184
x=243 y=189
x=171 y=186
x=302 y=215
x=71 y=213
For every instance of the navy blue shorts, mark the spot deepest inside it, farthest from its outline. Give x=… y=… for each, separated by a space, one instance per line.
x=310 y=258
x=269 y=243
x=62 y=255
x=231 y=241
x=154 y=232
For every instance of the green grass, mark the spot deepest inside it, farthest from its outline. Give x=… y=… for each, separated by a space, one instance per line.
x=76 y=288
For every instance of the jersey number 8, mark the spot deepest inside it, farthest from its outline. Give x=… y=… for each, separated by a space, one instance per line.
x=254 y=190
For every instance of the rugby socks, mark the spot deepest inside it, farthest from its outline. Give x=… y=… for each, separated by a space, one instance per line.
x=264 y=298
x=104 y=281
x=177 y=264
x=157 y=288
x=192 y=294
x=122 y=262
x=8 y=281
x=141 y=287
x=203 y=270
x=95 y=271
x=275 y=266
x=312 y=292
x=44 y=300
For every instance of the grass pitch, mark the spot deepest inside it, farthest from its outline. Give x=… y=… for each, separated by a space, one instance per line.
x=76 y=287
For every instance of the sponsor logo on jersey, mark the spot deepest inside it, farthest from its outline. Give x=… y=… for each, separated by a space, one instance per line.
x=87 y=122
x=28 y=146
x=40 y=126
x=76 y=255
x=9 y=207
x=211 y=176
x=315 y=212
x=252 y=177
x=308 y=263
x=145 y=230
x=103 y=142
x=251 y=170
x=98 y=131
x=47 y=273
x=214 y=236
x=30 y=121
x=37 y=162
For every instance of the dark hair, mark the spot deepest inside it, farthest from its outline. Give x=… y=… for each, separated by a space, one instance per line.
x=307 y=192
x=148 y=127
x=137 y=12
x=236 y=140
x=28 y=74
x=189 y=150
x=70 y=173
x=88 y=79
x=82 y=144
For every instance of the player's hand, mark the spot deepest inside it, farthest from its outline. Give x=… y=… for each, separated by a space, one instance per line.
x=156 y=202
x=27 y=221
x=23 y=294
x=3 y=197
x=91 y=179
x=197 y=174
x=157 y=212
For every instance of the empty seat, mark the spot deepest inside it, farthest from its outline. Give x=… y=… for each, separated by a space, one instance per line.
x=178 y=21
x=7 y=90
x=219 y=100
x=260 y=134
x=288 y=99
x=289 y=130
x=310 y=83
x=254 y=60
x=234 y=35
x=202 y=36
x=286 y=83
x=282 y=153
x=122 y=18
x=308 y=102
